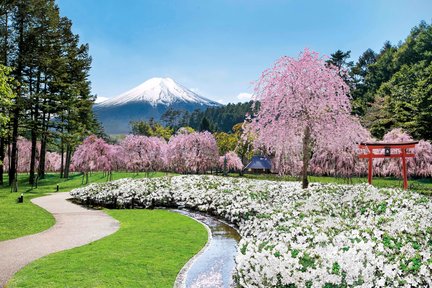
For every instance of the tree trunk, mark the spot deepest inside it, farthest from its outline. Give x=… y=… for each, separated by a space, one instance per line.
x=16 y=110
x=41 y=172
x=62 y=159
x=2 y=156
x=5 y=62
x=68 y=161
x=33 y=157
x=306 y=157
x=13 y=158
x=34 y=119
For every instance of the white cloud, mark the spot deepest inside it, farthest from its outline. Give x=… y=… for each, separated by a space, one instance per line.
x=244 y=97
x=100 y=99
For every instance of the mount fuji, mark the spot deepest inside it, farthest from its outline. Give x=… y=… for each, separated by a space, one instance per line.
x=148 y=100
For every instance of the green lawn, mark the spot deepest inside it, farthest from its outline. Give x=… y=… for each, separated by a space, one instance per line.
x=17 y=220
x=148 y=251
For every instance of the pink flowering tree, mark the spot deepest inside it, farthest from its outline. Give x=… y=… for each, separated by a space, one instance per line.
x=52 y=162
x=423 y=159
x=303 y=106
x=192 y=153
x=420 y=165
x=92 y=155
x=23 y=159
x=339 y=163
x=230 y=161
x=144 y=153
x=117 y=156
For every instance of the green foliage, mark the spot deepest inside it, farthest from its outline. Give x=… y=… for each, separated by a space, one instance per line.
x=206 y=125
x=151 y=128
x=336 y=269
x=243 y=249
x=361 y=97
x=226 y=141
x=6 y=96
x=306 y=261
x=393 y=89
x=340 y=60
x=220 y=119
x=294 y=253
x=412 y=265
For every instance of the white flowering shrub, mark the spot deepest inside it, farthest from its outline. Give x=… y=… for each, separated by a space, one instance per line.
x=324 y=236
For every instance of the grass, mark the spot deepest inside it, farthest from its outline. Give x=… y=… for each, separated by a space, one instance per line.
x=22 y=219
x=423 y=185
x=148 y=251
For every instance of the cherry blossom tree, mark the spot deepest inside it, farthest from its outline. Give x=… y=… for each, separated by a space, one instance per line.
x=303 y=106
x=233 y=161
x=52 y=162
x=192 y=153
x=117 y=157
x=339 y=163
x=92 y=155
x=23 y=153
x=423 y=159
x=420 y=165
x=144 y=153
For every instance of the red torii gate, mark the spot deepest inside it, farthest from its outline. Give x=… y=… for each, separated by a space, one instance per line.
x=370 y=147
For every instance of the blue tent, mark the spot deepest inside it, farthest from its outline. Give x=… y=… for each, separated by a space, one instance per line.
x=259 y=163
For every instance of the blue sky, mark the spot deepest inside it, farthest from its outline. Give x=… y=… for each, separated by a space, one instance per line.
x=219 y=47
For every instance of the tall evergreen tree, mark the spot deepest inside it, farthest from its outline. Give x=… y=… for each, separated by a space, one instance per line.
x=53 y=103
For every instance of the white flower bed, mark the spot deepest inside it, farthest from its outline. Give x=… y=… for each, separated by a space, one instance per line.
x=324 y=236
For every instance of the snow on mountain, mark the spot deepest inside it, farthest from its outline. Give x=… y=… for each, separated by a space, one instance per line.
x=155 y=91
x=149 y=100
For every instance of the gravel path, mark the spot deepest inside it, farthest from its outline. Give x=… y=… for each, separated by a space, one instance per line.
x=75 y=226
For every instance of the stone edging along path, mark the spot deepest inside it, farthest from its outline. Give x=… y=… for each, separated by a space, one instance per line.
x=75 y=226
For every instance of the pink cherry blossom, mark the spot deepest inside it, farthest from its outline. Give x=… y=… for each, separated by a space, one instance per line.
x=192 y=153
x=233 y=162
x=304 y=108
x=142 y=153
x=92 y=155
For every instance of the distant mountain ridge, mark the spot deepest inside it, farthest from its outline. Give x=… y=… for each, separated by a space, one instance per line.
x=148 y=100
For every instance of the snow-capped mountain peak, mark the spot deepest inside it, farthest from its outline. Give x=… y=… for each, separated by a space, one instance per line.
x=155 y=91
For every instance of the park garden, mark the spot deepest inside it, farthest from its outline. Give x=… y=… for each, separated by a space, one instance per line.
x=293 y=232
x=314 y=221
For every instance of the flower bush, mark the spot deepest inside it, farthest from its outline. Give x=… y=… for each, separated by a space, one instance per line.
x=324 y=236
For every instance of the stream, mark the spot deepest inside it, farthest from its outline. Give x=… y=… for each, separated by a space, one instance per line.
x=214 y=267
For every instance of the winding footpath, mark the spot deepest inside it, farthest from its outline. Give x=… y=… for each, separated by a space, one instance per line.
x=75 y=226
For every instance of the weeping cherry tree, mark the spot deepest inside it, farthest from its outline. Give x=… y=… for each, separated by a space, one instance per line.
x=304 y=105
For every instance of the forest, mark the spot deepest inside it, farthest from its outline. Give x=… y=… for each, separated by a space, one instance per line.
x=48 y=75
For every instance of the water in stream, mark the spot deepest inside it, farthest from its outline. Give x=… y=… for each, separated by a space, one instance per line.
x=215 y=266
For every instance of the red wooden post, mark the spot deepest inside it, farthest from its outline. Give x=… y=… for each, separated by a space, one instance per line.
x=370 y=167
x=404 y=169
